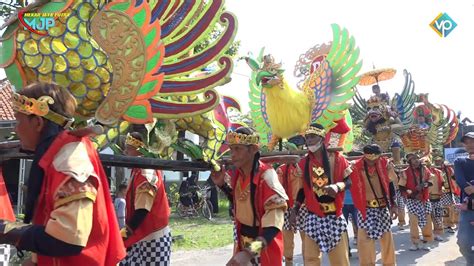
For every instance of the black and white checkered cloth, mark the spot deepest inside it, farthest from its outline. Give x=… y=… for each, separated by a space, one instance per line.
x=400 y=199
x=377 y=222
x=300 y=219
x=255 y=261
x=447 y=199
x=437 y=213
x=419 y=209
x=325 y=231
x=149 y=253
x=234 y=231
x=4 y=255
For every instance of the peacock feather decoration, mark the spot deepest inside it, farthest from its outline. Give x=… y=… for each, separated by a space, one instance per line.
x=128 y=62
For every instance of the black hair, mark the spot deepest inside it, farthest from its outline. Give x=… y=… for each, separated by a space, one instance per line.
x=122 y=187
x=137 y=135
x=316 y=125
x=355 y=153
x=297 y=140
x=372 y=149
x=245 y=130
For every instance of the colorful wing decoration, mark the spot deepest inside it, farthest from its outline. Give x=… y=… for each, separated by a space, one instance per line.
x=404 y=104
x=360 y=106
x=257 y=104
x=123 y=60
x=333 y=80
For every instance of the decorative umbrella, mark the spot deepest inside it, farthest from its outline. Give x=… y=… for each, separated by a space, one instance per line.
x=376 y=75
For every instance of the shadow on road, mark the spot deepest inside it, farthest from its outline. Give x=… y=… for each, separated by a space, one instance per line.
x=456 y=262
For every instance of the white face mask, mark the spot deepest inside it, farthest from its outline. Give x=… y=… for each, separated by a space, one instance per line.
x=315 y=147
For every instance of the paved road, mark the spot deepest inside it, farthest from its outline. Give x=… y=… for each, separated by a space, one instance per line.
x=444 y=253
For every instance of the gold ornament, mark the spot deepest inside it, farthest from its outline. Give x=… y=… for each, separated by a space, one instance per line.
x=234 y=138
x=318 y=171
x=39 y=107
x=134 y=142
x=316 y=131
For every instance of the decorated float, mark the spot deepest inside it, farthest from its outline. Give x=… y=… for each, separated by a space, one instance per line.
x=133 y=63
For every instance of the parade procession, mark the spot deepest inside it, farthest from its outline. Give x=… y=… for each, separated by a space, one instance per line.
x=149 y=132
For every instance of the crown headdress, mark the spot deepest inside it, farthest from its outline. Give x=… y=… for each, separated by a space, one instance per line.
x=269 y=63
x=239 y=138
x=39 y=107
x=317 y=131
x=134 y=142
x=374 y=101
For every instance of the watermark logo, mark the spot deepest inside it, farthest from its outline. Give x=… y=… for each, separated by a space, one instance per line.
x=39 y=23
x=443 y=24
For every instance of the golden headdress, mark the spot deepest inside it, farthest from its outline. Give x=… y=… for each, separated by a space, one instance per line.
x=39 y=107
x=130 y=140
x=234 y=138
x=419 y=154
x=317 y=131
x=375 y=101
x=269 y=63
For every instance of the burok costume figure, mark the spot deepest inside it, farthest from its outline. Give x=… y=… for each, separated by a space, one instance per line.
x=147 y=235
x=373 y=193
x=68 y=198
x=259 y=202
x=325 y=177
x=414 y=185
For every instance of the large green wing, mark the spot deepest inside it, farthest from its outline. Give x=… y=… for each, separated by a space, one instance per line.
x=257 y=104
x=343 y=58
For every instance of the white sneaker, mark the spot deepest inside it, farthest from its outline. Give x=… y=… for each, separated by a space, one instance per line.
x=439 y=238
x=414 y=247
x=424 y=246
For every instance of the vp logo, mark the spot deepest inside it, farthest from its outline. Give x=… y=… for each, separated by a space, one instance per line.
x=443 y=24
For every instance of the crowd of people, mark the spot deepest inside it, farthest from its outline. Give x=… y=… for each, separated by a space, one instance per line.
x=70 y=217
x=376 y=193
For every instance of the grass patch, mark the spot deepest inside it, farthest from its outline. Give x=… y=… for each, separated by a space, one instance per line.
x=200 y=233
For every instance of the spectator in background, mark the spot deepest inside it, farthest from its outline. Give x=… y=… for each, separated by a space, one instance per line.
x=214 y=196
x=463 y=170
x=349 y=209
x=189 y=186
x=120 y=204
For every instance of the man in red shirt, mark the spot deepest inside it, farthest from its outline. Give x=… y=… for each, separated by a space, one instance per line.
x=414 y=185
x=450 y=195
x=259 y=202
x=68 y=198
x=325 y=176
x=147 y=235
x=6 y=213
x=436 y=193
x=374 y=196
x=292 y=184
